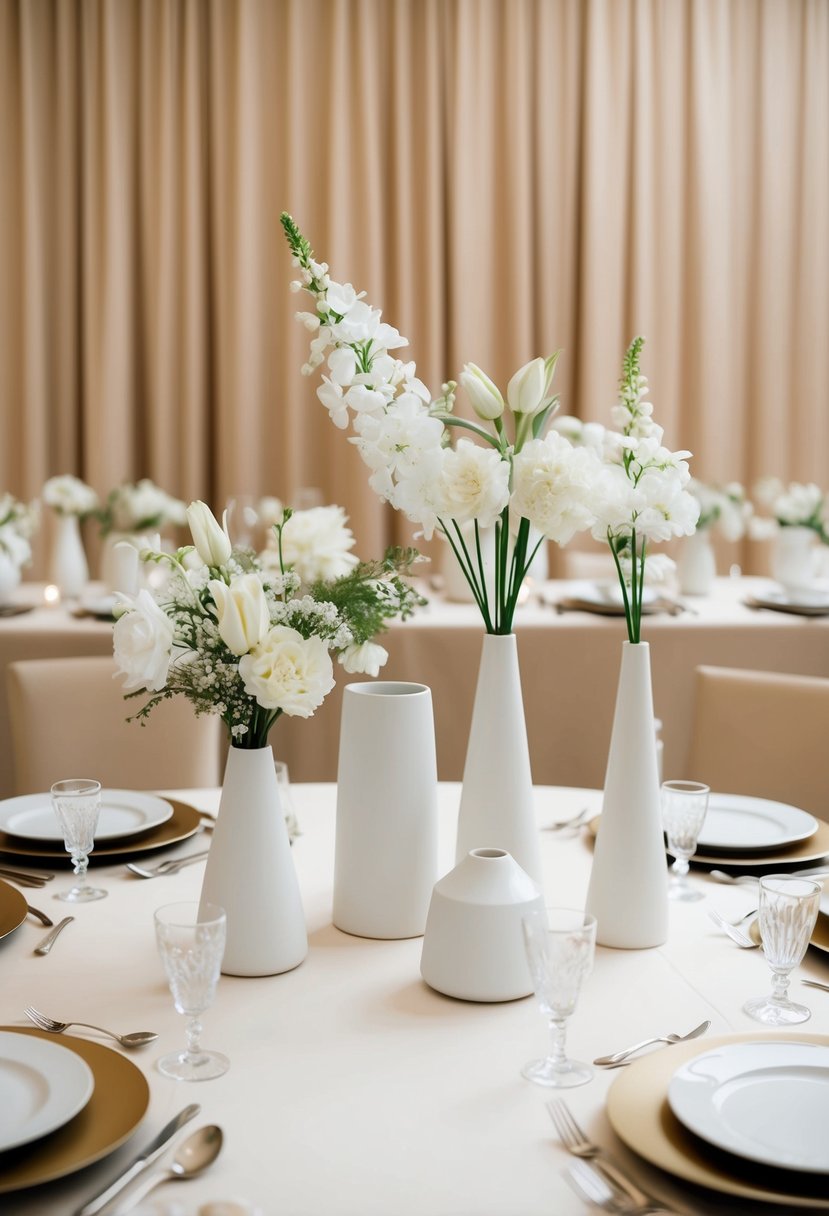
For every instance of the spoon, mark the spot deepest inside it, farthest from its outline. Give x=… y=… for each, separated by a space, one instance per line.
x=619 y=1057
x=561 y=825
x=138 y=1038
x=193 y=1155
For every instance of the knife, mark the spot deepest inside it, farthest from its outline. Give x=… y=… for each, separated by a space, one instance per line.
x=137 y=1166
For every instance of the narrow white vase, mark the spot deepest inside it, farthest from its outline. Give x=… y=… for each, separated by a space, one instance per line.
x=9 y=576
x=68 y=568
x=497 y=809
x=473 y=948
x=794 y=558
x=697 y=565
x=628 y=891
x=250 y=871
x=385 y=860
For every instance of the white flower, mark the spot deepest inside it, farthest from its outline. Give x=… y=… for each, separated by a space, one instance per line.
x=143 y=643
x=316 y=543
x=331 y=396
x=242 y=612
x=799 y=503
x=366 y=658
x=270 y=510
x=144 y=505
x=474 y=484
x=212 y=542
x=397 y=440
x=485 y=396
x=526 y=391
x=342 y=364
x=551 y=487
x=340 y=297
x=69 y=495
x=289 y=672
x=15 y=546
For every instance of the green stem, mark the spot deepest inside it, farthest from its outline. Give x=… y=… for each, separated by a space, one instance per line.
x=451 y=420
x=623 y=585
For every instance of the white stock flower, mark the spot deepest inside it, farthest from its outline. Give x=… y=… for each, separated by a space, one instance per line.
x=316 y=543
x=242 y=612
x=212 y=542
x=289 y=672
x=340 y=297
x=474 y=484
x=397 y=439
x=418 y=492
x=799 y=503
x=69 y=495
x=331 y=396
x=551 y=487
x=364 y=659
x=485 y=396
x=143 y=643
x=342 y=363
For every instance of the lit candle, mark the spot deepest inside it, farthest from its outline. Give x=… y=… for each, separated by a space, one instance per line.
x=51 y=595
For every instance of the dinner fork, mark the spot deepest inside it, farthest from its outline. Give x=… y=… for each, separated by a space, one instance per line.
x=736 y=935
x=592 y=1185
x=165 y=867
x=577 y=1143
x=24 y=878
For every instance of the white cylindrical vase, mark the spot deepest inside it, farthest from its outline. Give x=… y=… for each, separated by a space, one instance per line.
x=696 y=564
x=9 y=576
x=250 y=871
x=68 y=568
x=473 y=948
x=794 y=558
x=497 y=808
x=385 y=861
x=628 y=890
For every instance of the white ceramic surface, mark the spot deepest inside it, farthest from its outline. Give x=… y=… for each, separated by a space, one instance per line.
x=739 y=822
x=473 y=947
x=123 y=813
x=43 y=1086
x=767 y=1101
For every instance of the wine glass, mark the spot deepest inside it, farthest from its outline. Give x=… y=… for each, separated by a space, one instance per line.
x=243 y=520
x=77 y=805
x=283 y=780
x=560 y=946
x=788 y=911
x=191 y=942
x=684 y=807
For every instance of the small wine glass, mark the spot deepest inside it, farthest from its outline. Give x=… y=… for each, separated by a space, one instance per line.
x=243 y=521
x=77 y=805
x=283 y=780
x=560 y=945
x=684 y=807
x=788 y=912
x=191 y=942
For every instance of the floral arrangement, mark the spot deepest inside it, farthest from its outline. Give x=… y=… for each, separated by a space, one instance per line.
x=68 y=495
x=724 y=507
x=518 y=477
x=18 y=523
x=797 y=505
x=140 y=507
x=241 y=641
x=316 y=544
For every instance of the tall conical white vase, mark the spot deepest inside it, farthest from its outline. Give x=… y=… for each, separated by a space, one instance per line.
x=628 y=891
x=250 y=871
x=68 y=568
x=497 y=809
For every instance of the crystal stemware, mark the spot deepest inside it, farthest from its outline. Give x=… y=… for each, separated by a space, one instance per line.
x=684 y=807
x=560 y=946
x=77 y=805
x=788 y=912
x=243 y=520
x=191 y=942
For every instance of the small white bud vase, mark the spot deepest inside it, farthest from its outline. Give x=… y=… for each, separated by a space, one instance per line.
x=696 y=565
x=497 y=808
x=68 y=568
x=628 y=891
x=473 y=948
x=9 y=576
x=250 y=871
x=386 y=856
x=794 y=558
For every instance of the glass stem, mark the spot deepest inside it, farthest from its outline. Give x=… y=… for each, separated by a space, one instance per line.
x=780 y=986
x=81 y=862
x=558 y=1031
x=194 y=1029
x=680 y=870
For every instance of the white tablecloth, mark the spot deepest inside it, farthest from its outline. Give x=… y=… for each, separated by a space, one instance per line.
x=354 y=1089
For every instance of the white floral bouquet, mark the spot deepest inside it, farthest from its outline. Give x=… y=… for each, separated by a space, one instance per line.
x=248 y=643
x=316 y=544
x=723 y=507
x=140 y=507
x=18 y=523
x=68 y=495
x=798 y=505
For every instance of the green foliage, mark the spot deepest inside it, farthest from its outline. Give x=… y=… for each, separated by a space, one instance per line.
x=373 y=593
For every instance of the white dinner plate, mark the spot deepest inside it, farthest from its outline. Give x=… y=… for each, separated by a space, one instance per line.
x=766 y=1101
x=123 y=813
x=610 y=592
x=735 y=821
x=804 y=597
x=100 y=605
x=43 y=1085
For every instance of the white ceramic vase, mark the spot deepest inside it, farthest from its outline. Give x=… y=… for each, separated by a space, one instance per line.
x=474 y=942
x=9 y=576
x=385 y=860
x=628 y=890
x=112 y=561
x=696 y=565
x=250 y=871
x=68 y=568
x=794 y=558
x=497 y=809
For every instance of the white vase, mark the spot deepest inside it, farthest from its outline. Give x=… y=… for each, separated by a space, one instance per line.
x=474 y=942
x=385 y=860
x=696 y=565
x=628 y=890
x=794 y=558
x=250 y=871
x=9 y=576
x=68 y=567
x=497 y=809
x=112 y=562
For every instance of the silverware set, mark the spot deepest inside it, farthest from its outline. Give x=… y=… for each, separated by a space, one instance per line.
x=25 y=878
x=591 y=1184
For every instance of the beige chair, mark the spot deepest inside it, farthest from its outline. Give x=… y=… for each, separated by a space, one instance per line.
x=69 y=719
x=764 y=734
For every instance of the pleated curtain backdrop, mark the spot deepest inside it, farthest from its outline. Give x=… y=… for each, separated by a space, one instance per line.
x=503 y=178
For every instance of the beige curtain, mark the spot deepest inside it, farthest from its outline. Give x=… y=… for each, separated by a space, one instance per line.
x=503 y=177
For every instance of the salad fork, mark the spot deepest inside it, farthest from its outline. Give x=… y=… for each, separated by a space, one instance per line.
x=577 y=1143
x=592 y=1185
x=736 y=935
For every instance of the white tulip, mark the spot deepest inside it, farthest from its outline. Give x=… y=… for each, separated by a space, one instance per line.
x=242 y=609
x=485 y=396
x=527 y=390
x=212 y=542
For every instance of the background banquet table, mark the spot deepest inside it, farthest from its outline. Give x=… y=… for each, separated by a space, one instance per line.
x=569 y=665
x=354 y=1088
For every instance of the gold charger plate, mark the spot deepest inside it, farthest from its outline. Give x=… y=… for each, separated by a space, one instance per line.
x=813 y=849
x=819 y=938
x=637 y=1106
x=118 y=1104
x=183 y=822
x=575 y=603
x=13 y=910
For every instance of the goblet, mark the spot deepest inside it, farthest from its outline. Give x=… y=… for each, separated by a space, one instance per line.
x=77 y=805
x=788 y=911
x=560 y=945
x=191 y=942
x=243 y=520
x=684 y=807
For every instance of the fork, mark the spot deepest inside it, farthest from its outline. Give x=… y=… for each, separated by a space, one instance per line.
x=736 y=935
x=165 y=867
x=577 y=1143
x=592 y=1185
x=721 y=876
x=24 y=878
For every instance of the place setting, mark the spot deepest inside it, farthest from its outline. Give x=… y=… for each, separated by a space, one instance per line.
x=808 y=601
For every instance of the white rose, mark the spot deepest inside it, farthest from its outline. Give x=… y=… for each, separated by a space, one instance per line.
x=212 y=542
x=289 y=672
x=365 y=659
x=242 y=612
x=143 y=644
x=474 y=484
